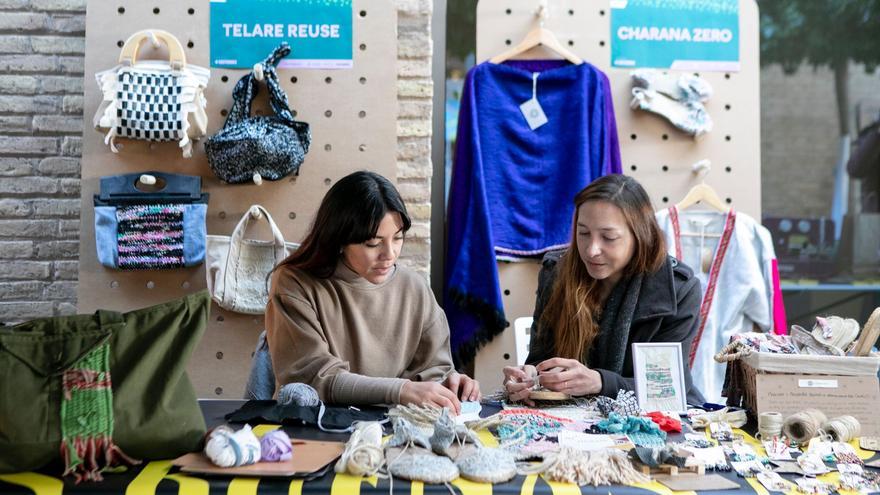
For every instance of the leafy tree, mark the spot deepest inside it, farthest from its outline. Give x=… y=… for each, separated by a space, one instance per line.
x=829 y=33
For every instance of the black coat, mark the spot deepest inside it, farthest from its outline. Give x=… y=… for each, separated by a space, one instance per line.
x=667 y=310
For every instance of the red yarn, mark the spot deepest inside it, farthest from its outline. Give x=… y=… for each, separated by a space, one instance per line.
x=666 y=423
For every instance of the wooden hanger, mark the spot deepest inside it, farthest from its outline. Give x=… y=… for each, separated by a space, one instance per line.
x=702 y=193
x=538 y=36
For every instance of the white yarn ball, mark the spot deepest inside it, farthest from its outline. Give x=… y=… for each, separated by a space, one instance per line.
x=227 y=447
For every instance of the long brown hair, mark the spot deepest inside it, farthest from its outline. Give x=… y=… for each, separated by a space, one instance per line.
x=350 y=213
x=574 y=305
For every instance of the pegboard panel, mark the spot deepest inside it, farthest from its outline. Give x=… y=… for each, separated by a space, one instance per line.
x=652 y=151
x=353 y=117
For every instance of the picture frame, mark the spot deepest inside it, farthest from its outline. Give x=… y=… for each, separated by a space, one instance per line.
x=658 y=368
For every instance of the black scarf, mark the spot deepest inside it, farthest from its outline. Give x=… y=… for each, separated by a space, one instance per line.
x=609 y=347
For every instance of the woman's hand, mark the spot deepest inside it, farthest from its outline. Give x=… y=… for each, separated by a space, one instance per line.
x=433 y=393
x=569 y=376
x=463 y=386
x=518 y=381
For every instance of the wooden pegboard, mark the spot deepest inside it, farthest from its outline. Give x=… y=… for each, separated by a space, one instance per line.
x=652 y=151
x=353 y=117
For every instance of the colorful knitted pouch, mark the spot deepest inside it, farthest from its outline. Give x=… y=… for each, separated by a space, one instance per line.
x=150 y=236
x=87 y=418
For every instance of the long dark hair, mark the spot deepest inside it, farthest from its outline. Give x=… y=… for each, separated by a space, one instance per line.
x=574 y=304
x=350 y=213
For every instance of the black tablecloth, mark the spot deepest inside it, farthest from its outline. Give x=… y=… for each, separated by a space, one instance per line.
x=159 y=477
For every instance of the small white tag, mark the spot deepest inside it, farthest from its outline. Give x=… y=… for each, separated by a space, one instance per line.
x=584 y=441
x=531 y=109
x=850 y=469
x=817 y=383
x=777 y=451
x=470 y=411
x=533 y=113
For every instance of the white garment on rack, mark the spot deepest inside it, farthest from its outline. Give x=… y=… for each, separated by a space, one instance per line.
x=743 y=291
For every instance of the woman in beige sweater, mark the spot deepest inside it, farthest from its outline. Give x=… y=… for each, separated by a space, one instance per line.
x=346 y=319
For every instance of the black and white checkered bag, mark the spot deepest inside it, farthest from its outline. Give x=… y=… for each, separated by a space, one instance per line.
x=153 y=100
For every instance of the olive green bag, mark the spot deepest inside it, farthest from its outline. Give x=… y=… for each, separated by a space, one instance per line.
x=100 y=390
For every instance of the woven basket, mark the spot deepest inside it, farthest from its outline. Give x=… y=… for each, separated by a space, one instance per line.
x=741 y=380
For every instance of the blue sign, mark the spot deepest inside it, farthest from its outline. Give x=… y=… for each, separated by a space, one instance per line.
x=692 y=35
x=244 y=32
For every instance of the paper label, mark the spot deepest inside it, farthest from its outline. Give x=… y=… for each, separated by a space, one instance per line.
x=470 y=411
x=533 y=113
x=584 y=441
x=810 y=383
x=777 y=450
x=850 y=469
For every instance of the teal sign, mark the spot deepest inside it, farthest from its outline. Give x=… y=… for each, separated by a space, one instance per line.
x=692 y=35
x=244 y=32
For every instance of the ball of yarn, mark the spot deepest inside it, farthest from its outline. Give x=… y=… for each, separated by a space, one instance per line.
x=299 y=394
x=363 y=454
x=769 y=425
x=842 y=428
x=276 y=447
x=228 y=448
x=803 y=426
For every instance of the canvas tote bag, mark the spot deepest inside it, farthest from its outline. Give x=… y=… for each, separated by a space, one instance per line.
x=238 y=267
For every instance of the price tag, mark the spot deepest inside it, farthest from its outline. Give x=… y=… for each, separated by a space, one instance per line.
x=531 y=109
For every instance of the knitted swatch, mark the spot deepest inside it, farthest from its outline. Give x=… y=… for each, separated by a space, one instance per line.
x=642 y=431
x=626 y=404
x=530 y=432
x=87 y=418
x=150 y=236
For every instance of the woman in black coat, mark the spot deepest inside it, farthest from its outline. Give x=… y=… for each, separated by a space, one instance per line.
x=614 y=286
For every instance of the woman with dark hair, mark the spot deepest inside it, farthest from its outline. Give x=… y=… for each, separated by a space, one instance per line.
x=614 y=286
x=346 y=319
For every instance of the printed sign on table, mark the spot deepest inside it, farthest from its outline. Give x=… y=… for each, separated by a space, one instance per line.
x=692 y=35
x=319 y=32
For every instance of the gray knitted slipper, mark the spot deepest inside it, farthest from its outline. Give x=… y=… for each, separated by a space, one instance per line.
x=487 y=466
x=418 y=464
x=447 y=434
x=405 y=433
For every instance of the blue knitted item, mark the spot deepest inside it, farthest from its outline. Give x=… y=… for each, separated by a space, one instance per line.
x=642 y=431
x=500 y=160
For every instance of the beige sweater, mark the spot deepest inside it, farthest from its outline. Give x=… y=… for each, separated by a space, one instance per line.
x=355 y=342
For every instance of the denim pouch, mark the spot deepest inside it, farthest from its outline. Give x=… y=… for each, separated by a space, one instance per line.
x=141 y=227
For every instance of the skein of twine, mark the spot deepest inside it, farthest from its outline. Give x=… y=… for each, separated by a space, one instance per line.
x=842 y=428
x=363 y=455
x=769 y=425
x=804 y=425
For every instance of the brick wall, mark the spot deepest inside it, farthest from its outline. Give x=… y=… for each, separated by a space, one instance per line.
x=41 y=83
x=42 y=44
x=414 y=94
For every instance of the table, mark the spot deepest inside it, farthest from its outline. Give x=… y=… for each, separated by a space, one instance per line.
x=159 y=477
